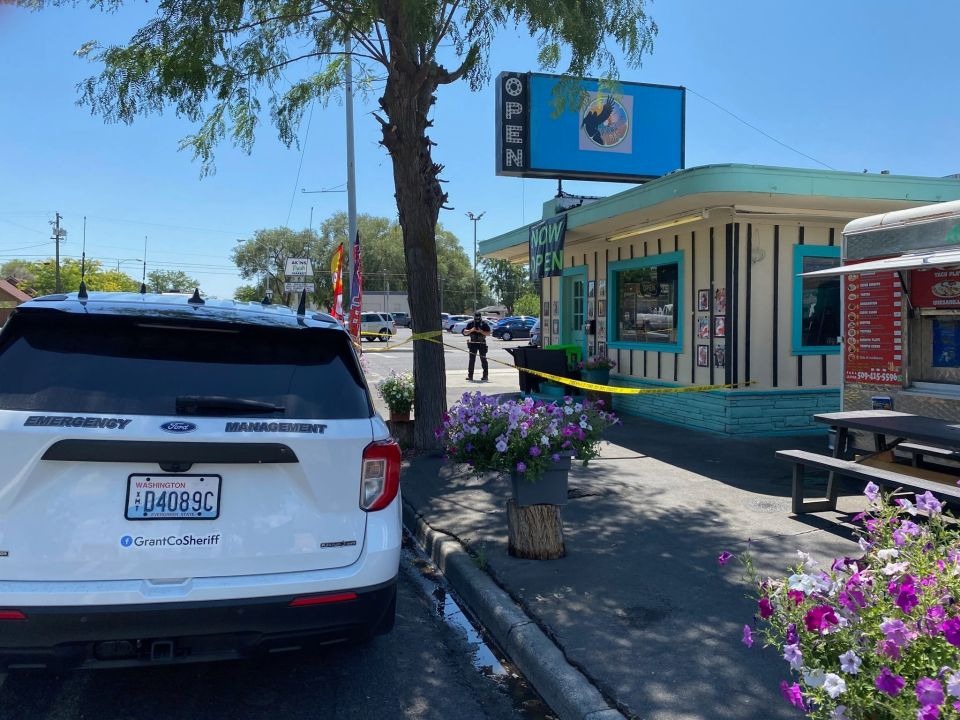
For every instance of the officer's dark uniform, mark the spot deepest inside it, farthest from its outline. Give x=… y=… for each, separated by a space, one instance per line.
x=477 y=330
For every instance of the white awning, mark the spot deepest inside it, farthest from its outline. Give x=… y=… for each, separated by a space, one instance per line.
x=910 y=261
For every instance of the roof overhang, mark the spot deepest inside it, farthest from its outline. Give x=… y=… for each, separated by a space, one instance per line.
x=908 y=261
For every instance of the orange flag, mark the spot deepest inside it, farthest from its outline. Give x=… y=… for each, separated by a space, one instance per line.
x=336 y=267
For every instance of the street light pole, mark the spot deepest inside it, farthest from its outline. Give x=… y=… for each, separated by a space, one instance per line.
x=386 y=290
x=475 y=219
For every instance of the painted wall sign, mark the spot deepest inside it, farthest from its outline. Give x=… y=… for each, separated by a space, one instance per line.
x=630 y=134
x=935 y=288
x=873 y=329
x=546 y=247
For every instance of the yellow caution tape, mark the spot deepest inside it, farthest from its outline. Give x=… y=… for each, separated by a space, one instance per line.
x=560 y=379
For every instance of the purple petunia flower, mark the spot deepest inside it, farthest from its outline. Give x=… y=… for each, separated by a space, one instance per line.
x=792 y=637
x=521 y=467
x=535 y=451
x=929 y=503
x=895 y=632
x=747 y=636
x=766 y=609
x=928 y=712
x=724 y=557
x=951 y=631
x=887 y=682
x=792 y=694
x=929 y=692
x=820 y=618
x=904 y=593
x=871 y=491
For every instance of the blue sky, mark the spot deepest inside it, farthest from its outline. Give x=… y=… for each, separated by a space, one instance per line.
x=849 y=85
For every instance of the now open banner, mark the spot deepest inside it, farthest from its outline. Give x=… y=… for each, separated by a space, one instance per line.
x=546 y=247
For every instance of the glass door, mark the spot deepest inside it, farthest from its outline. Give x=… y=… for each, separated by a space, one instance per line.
x=574 y=310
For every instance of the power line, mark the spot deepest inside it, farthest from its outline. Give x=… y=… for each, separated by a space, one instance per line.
x=765 y=134
x=303 y=151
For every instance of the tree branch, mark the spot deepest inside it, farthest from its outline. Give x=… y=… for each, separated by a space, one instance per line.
x=444 y=27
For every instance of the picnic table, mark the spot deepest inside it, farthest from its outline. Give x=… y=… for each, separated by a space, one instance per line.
x=920 y=434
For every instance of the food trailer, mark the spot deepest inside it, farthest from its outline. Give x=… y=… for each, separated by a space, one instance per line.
x=900 y=281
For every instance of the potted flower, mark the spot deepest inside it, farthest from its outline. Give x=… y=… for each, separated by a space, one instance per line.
x=397 y=390
x=529 y=439
x=876 y=637
x=596 y=368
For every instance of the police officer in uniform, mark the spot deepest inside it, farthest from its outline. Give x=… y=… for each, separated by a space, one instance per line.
x=477 y=330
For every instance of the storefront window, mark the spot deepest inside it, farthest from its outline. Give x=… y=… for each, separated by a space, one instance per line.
x=646 y=301
x=817 y=301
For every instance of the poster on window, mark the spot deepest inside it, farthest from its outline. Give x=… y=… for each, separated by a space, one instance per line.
x=719 y=326
x=703 y=326
x=719 y=355
x=703 y=300
x=703 y=356
x=602 y=289
x=720 y=300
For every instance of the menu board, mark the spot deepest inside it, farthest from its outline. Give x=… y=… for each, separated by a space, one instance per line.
x=938 y=288
x=873 y=337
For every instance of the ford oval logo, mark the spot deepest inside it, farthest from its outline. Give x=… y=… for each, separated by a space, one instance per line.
x=178 y=426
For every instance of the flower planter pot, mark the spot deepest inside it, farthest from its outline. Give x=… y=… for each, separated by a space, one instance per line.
x=399 y=416
x=597 y=375
x=550 y=489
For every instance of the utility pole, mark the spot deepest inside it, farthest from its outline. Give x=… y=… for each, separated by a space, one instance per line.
x=386 y=290
x=475 y=219
x=57 y=234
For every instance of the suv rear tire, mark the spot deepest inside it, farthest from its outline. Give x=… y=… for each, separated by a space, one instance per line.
x=384 y=335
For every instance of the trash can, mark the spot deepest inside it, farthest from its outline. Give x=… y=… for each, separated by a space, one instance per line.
x=520 y=360
x=533 y=358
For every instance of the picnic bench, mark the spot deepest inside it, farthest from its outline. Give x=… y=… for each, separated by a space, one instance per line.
x=803 y=459
x=918 y=435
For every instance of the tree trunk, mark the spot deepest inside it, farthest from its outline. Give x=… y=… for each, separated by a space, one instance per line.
x=535 y=532
x=407 y=99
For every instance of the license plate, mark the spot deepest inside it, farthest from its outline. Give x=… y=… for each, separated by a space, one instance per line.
x=173 y=497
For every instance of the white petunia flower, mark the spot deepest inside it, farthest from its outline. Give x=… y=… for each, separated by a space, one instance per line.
x=814 y=677
x=834 y=685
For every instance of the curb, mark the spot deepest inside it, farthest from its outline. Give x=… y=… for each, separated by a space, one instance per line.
x=564 y=688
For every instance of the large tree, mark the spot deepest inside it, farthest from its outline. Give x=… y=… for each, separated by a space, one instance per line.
x=43 y=280
x=216 y=62
x=263 y=258
x=162 y=281
x=508 y=281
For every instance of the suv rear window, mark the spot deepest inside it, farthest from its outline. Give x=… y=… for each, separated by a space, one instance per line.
x=107 y=364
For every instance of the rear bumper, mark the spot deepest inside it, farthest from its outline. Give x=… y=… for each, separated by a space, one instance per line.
x=125 y=635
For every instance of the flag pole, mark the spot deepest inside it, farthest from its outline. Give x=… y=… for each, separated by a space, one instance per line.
x=351 y=175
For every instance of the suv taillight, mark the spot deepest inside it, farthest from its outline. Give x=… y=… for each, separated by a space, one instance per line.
x=380 y=475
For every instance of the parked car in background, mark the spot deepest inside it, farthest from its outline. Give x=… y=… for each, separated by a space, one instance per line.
x=453 y=320
x=204 y=480
x=535 y=340
x=376 y=326
x=459 y=327
x=514 y=328
x=402 y=319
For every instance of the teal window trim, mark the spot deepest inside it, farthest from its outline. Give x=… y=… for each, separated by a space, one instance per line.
x=572 y=272
x=799 y=253
x=613 y=299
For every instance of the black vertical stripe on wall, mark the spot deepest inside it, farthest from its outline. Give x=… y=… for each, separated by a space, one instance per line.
x=618 y=255
x=710 y=319
x=733 y=305
x=659 y=246
x=645 y=251
x=830 y=241
x=775 y=346
x=823 y=358
x=693 y=304
x=800 y=357
x=631 y=251
x=748 y=299
x=728 y=282
x=596 y=282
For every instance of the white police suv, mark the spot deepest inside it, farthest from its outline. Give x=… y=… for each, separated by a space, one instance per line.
x=187 y=480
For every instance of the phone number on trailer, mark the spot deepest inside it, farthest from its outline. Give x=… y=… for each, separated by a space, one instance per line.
x=877 y=376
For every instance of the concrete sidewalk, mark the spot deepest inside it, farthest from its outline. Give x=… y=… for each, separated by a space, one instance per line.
x=638 y=619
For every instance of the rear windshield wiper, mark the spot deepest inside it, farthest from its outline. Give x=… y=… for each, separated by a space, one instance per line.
x=219 y=405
